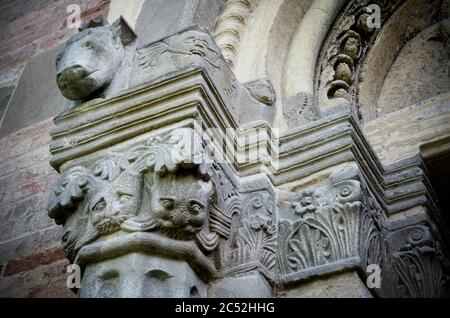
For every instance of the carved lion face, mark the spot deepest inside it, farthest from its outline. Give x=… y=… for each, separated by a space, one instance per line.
x=89 y=62
x=120 y=200
x=180 y=202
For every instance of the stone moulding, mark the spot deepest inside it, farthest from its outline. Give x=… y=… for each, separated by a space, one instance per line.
x=148 y=243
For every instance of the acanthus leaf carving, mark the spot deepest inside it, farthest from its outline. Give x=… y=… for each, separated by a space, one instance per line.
x=335 y=223
x=416 y=264
x=253 y=242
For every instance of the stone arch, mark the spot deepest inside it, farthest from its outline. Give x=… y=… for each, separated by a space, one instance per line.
x=407 y=64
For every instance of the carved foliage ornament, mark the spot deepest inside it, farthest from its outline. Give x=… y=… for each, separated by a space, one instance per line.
x=332 y=224
x=417 y=264
x=341 y=222
x=254 y=239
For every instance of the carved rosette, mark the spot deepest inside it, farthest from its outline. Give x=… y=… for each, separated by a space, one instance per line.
x=330 y=228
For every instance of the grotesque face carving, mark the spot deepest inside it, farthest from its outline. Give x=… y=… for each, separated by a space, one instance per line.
x=180 y=202
x=89 y=62
x=110 y=208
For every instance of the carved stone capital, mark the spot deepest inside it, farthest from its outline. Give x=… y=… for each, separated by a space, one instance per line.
x=328 y=229
x=415 y=263
x=165 y=186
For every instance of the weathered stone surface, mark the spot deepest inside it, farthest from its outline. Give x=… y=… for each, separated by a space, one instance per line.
x=404 y=134
x=328 y=229
x=141 y=276
x=34 y=99
x=94 y=62
x=139 y=194
x=345 y=285
x=5 y=96
x=249 y=285
x=158 y=18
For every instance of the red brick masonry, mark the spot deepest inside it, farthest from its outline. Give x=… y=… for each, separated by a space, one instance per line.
x=30 y=27
x=31 y=257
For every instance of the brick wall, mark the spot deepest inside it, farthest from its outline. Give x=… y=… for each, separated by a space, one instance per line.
x=32 y=262
x=31 y=257
x=29 y=27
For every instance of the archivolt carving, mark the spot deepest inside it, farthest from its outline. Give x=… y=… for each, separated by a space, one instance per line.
x=229 y=25
x=348 y=45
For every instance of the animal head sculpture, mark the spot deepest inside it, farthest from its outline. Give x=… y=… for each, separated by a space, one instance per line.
x=181 y=202
x=90 y=60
